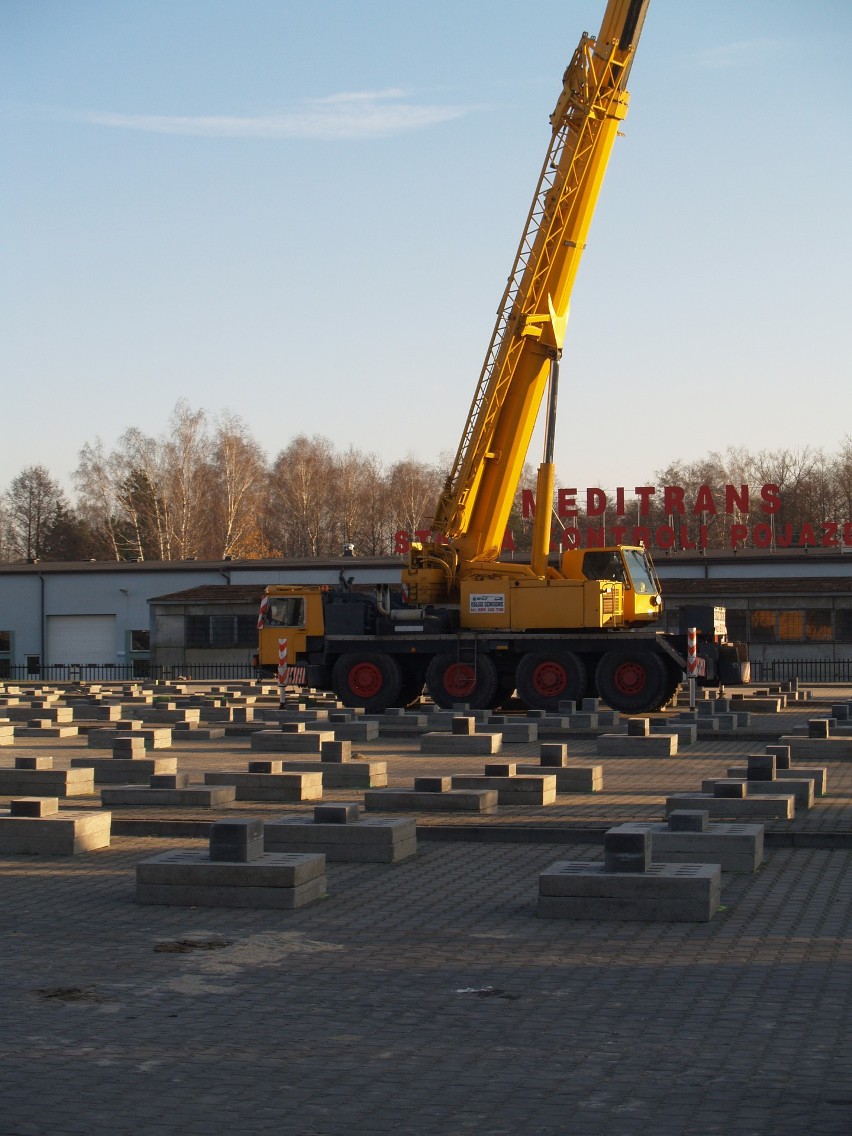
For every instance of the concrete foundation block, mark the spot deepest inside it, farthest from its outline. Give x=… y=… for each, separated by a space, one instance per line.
x=666 y=893
x=806 y=748
x=364 y=731
x=623 y=745
x=189 y=878
x=337 y=813
x=46 y=731
x=155 y=737
x=304 y=741
x=757 y=807
x=337 y=751
x=792 y=781
x=451 y=801
x=685 y=732
x=33 y=806
x=343 y=775
x=535 y=790
x=190 y=797
x=362 y=841
x=48 y=782
x=569 y=778
x=286 y=788
x=61 y=834
x=125 y=771
x=461 y=743
x=432 y=784
x=734 y=847
x=7 y=735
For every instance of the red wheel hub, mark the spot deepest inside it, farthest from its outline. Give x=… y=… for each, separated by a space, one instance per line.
x=459 y=680
x=630 y=678
x=549 y=679
x=365 y=680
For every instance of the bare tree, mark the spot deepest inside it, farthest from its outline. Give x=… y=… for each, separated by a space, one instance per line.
x=301 y=516
x=34 y=505
x=186 y=461
x=239 y=481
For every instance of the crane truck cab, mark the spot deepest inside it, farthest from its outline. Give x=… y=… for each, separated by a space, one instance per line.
x=630 y=566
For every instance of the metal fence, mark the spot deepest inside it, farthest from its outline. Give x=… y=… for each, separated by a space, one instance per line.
x=808 y=670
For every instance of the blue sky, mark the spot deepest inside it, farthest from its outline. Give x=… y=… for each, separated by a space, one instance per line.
x=305 y=213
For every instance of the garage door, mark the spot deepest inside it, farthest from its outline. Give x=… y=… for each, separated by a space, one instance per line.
x=80 y=639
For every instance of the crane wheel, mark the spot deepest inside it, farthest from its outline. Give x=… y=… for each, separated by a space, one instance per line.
x=544 y=680
x=450 y=680
x=367 y=679
x=633 y=682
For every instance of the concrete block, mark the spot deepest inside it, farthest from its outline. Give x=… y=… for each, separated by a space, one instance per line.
x=188 y=797
x=62 y=834
x=665 y=893
x=362 y=841
x=513 y=733
x=125 y=771
x=802 y=788
x=336 y=814
x=689 y=820
x=343 y=775
x=638 y=727
x=553 y=754
x=303 y=741
x=463 y=726
x=338 y=751
x=685 y=732
x=627 y=849
x=760 y=767
x=461 y=743
x=46 y=731
x=156 y=737
x=363 y=731
x=725 y=788
x=34 y=762
x=33 y=806
x=188 y=878
x=806 y=749
x=239 y=840
x=281 y=787
x=734 y=847
x=782 y=755
x=47 y=782
x=756 y=807
x=432 y=784
x=569 y=778
x=527 y=790
x=623 y=745
x=454 y=800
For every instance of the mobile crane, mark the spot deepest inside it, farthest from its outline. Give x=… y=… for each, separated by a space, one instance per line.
x=471 y=627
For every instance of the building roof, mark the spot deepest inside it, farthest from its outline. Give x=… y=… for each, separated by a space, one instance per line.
x=214 y=593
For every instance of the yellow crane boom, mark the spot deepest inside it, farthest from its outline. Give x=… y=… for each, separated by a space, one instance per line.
x=473 y=509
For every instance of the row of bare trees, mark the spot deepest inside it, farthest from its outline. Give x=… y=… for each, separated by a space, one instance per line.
x=206 y=490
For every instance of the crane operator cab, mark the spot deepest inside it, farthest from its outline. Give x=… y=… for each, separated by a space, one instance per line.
x=628 y=565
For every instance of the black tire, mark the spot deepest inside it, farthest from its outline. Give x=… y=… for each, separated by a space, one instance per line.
x=367 y=679
x=546 y=679
x=451 y=681
x=633 y=682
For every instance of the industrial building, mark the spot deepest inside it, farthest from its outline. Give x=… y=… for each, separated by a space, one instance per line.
x=125 y=619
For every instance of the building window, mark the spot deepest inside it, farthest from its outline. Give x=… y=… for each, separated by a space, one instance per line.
x=791 y=626
x=843 y=616
x=5 y=641
x=221 y=632
x=763 y=627
x=140 y=640
x=818 y=625
x=794 y=626
x=736 y=621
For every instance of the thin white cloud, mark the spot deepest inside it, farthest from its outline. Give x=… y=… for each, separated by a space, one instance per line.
x=346 y=116
x=742 y=53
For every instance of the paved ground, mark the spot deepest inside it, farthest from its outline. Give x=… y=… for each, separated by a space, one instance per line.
x=428 y=998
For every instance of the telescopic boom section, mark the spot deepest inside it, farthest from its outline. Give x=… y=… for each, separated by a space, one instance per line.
x=474 y=508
